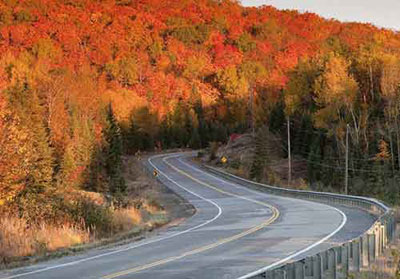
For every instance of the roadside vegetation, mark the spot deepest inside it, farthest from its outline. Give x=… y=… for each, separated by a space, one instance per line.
x=82 y=218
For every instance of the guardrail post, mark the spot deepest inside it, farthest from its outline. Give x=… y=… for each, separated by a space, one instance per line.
x=345 y=259
x=269 y=274
x=299 y=270
x=385 y=238
x=371 y=247
x=364 y=251
x=324 y=263
x=290 y=271
x=329 y=266
x=338 y=250
x=308 y=267
x=382 y=242
x=317 y=266
x=340 y=269
x=377 y=240
x=356 y=255
x=326 y=260
x=333 y=265
x=392 y=228
x=280 y=274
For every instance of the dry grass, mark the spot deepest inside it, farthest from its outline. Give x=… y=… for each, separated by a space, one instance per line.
x=67 y=235
x=18 y=239
x=384 y=268
x=125 y=219
x=152 y=207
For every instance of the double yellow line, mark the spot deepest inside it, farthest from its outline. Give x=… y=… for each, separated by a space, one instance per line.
x=273 y=218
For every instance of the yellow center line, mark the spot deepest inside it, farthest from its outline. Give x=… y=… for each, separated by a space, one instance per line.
x=273 y=218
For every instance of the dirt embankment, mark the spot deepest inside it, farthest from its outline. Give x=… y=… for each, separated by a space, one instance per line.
x=240 y=152
x=141 y=183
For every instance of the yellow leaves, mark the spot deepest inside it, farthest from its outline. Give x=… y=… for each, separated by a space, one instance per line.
x=197 y=66
x=45 y=49
x=336 y=91
x=336 y=86
x=124 y=102
x=231 y=83
x=254 y=72
x=299 y=89
x=390 y=81
x=124 y=70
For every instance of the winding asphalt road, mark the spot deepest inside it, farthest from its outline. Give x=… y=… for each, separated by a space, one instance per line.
x=234 y=232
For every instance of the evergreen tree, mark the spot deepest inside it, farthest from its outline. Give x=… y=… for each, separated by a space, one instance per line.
x=113 y=153
x=314 y=161
x=260 y=159
x=39 y=160
x=180 y=125
x=195 y=141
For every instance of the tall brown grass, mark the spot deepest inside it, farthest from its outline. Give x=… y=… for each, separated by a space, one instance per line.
x=125 y=219
x=18 y=238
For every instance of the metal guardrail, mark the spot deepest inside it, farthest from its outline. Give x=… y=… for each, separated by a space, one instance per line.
x=336 y=262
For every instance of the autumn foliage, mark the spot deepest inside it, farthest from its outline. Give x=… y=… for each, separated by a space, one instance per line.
x=82 y=82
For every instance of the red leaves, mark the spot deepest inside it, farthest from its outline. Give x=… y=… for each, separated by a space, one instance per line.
x=159 y=66
x=226 y=55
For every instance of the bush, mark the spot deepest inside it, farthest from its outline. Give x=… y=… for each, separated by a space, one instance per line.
x=97 y=218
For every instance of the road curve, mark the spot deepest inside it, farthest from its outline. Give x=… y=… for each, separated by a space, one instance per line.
x=234 y=232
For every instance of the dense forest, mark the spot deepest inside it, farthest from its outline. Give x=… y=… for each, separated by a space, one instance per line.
x=84 y=82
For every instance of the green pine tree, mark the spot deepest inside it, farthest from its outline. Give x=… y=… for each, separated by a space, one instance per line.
x=195 y=141
x=260 y=160
x=113 y=154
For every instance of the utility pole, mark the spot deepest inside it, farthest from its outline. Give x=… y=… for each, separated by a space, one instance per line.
x=346 y=176
x=289 y=152
x=252 y=111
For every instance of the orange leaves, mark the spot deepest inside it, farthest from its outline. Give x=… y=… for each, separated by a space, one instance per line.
x=20 y=36
x=159 y=50
x=265 y=48
x=226 y=55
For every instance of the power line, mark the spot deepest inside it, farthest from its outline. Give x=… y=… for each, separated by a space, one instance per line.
x=342 y=168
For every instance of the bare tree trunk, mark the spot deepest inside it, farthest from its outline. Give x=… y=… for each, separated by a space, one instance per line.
x=371 y=79
x=391 y=149
x=289 y=152
x=346 y=175
x=251 y=112
x=398 y=142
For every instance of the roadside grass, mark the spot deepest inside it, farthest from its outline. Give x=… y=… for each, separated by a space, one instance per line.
x=19 y=238
x=95 y=222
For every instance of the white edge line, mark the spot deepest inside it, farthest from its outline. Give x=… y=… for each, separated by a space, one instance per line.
x=282 y=261
x=137 y=245
x=298 y=253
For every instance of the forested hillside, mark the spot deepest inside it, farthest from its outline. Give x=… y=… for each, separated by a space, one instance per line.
x=83 y=82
